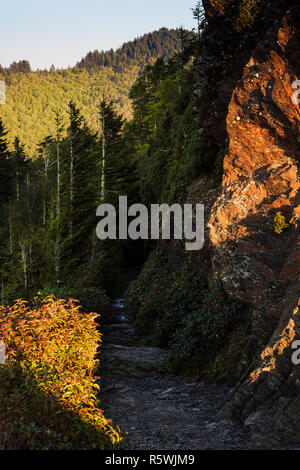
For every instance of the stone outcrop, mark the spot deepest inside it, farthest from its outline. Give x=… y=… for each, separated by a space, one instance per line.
x=243 y=90
x=260 y=178
x=254 y=263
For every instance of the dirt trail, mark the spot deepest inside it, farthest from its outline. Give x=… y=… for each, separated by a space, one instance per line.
x=160 y=411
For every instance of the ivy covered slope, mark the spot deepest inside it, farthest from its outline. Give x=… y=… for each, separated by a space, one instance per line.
x=195 y=322
x=31 y=96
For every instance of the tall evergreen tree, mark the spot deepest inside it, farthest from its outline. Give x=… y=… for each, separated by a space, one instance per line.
x=5 y=168
x=111 y=129
x=82 y=197
x=199 y=16
x=6 y=195
x=117 y=168
x=20 y=167
x=57 y=246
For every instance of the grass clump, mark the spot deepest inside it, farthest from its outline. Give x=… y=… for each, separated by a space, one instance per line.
x=48 y=393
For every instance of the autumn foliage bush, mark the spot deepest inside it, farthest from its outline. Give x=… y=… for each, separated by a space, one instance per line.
x=48 y=393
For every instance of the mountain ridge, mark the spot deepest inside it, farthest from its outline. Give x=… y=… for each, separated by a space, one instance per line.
x=163 y=42
x=33 y=96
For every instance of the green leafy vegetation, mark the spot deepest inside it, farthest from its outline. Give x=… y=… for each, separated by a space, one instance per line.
x=179 y=311
x=169 y=150
x=92 y=299
x=247 y=14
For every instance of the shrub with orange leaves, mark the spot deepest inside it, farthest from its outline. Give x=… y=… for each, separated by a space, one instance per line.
x=48 y=393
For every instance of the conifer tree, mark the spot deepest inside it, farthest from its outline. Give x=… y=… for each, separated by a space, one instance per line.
x=117 y=168
x=83 y=184
x=57 y=246
x=5 y=168
x=199 y=16
x=20 y=167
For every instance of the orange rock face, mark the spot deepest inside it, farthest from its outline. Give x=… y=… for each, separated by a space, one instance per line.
x=254 y=262
x=261 y=173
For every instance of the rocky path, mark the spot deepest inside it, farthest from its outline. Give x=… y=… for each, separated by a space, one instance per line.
x=157 y=410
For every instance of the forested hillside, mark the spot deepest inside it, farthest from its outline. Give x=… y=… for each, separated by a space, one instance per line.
x=162 y=43
x=49 y=202
x=89 y=147
x=31 y=97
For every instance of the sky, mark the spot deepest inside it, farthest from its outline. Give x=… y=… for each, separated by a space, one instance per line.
x=61 y=32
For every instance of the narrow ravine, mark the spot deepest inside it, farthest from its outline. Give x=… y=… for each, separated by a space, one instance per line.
x=158 y=410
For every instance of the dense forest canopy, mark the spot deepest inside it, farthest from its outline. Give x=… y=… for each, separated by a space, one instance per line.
x=15 y=67
x=209 y=118
x=48 y=208
x=31 y=96
x=162 y=43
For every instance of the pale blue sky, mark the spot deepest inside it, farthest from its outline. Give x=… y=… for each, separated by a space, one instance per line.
x=60 y=32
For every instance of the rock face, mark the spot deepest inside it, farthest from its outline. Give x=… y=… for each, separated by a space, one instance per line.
x=243 y=90
x=254 y=263
x=261 y=177
x=248 y=62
